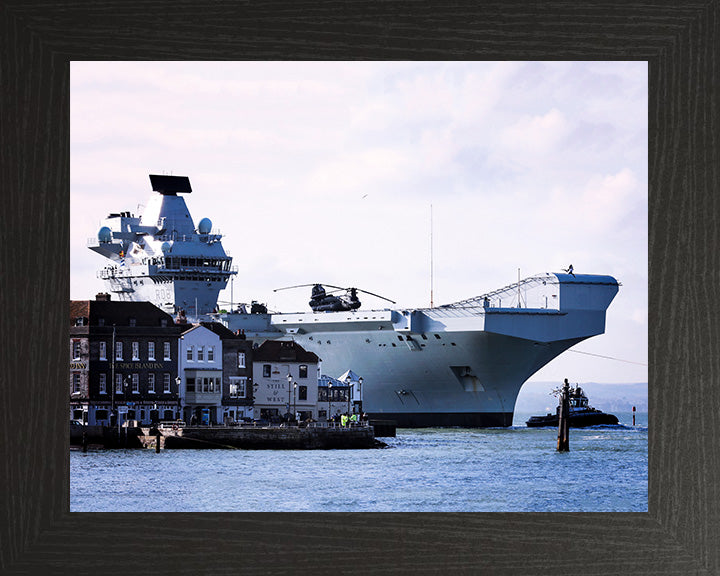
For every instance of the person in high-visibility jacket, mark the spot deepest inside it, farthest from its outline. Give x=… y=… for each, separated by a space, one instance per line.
x=353 y=419
x=343 y=420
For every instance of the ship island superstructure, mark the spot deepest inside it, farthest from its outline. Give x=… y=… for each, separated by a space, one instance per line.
x=160 y=256
x=460 y=364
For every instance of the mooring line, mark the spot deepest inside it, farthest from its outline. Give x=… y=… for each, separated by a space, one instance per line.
x=608 y=357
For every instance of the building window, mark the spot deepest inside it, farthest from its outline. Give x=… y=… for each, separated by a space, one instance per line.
x=237 y=387
x=166 y=350
x=201 y=354
x=211 y=353
x=241 y=360
x=118 y=383
x=76 y=384
x=151 y=383
x=135 y=384
x=132 y=322
x=303 y=371
x=101 y=414
x=76 y=349
x=166 y=383
x=118 y=351
x=103 y=350
x=151 y=350
x=302 y=393
x=190 y=384
x=266 y=370
x=101 y=321
x=103 y=383
x=189 y=353
x=136 y=350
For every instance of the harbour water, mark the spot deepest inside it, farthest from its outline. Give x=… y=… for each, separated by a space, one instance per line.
x=514 y=469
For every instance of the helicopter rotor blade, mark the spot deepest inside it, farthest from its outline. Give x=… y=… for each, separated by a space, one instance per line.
x=291 y=287
x=313 y=284
x=376 y=295
x=336 y=289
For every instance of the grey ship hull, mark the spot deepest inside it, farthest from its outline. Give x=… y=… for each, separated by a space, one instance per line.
x=460 y=365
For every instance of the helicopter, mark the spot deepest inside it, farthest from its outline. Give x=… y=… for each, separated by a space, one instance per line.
x=323 y=301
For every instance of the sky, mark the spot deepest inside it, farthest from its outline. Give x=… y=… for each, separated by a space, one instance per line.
x=392 y=177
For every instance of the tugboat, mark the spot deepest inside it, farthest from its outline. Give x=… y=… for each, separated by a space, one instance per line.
x=581 y=414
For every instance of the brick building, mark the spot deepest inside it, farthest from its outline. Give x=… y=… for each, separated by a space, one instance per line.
x=123 y=362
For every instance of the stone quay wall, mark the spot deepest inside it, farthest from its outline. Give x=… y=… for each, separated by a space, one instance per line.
x=251 y=438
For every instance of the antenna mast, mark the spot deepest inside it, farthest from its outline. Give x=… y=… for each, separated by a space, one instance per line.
x=431 y=257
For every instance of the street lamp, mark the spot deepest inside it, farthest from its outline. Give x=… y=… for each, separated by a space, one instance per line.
x=178 y=381
x=294 y=399
x=125 y=386
x=347 y=383
x=255 y=386
x=360 y=381
x=329 y=391
x=289 y=379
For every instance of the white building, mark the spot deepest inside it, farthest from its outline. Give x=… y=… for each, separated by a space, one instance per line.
x=276 y=395
x=200 y=373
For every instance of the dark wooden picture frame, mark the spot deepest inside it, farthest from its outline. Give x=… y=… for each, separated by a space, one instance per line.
x=680 y=534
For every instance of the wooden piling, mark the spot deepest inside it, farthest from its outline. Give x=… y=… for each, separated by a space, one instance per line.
x=157 y=443
x=563 y=443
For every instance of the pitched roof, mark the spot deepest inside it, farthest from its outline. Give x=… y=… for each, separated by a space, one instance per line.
x=220 y=329
x=348 y=374
x=282 y=351
x=116 y=312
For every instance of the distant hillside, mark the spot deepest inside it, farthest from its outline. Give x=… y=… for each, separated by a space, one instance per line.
x=535 y=397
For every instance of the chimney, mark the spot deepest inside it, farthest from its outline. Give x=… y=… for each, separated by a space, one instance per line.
x=102 y=297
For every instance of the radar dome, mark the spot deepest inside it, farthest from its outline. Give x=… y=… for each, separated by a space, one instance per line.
x=104 y=234
x=205 y=226
x=166 y=247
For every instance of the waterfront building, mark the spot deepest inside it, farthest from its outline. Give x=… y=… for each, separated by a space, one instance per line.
x=200 y=372
x=332 y=397
x=237 y=357
x=285 y=380
x=123 y=362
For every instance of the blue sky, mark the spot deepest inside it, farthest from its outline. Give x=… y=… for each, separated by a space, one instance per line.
x=326 y=171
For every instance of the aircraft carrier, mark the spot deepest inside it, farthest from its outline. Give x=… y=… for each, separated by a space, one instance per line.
x=460 y=364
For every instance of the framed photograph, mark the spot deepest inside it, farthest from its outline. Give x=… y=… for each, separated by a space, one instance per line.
x=674 y=536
